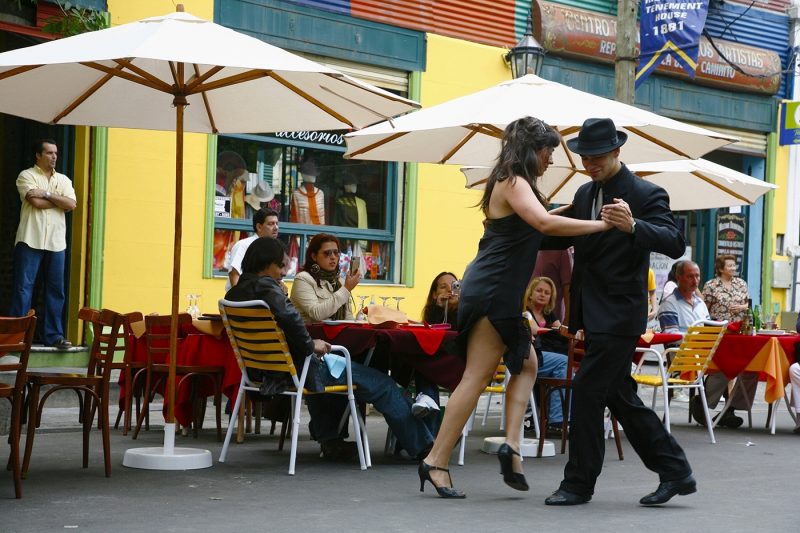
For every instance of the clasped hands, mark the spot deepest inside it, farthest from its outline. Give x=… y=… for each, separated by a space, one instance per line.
x=618 y=215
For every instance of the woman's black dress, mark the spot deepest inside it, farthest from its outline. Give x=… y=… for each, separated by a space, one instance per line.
x=494 y=286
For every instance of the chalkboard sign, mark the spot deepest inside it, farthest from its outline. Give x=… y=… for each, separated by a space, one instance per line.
x=732 y=237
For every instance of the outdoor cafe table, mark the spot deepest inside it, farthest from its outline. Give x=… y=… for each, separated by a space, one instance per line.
x=399 y=351
x=201 y=343
x=768 y=355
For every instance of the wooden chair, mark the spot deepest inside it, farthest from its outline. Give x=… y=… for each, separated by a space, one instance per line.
x=157 y=329
x=259 y=344
x=131 y=368
x=691 y=357
x=563 y=386
x=94 y=385
x=16 y=336
x=498 y=385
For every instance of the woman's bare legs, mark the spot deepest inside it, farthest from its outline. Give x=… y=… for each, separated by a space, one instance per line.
x=517 y=396
x=484 y=350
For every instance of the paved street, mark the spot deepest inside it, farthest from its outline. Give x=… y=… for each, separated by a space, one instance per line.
x=747 y=482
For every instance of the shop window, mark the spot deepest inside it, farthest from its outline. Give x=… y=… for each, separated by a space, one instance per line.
x=305 y=179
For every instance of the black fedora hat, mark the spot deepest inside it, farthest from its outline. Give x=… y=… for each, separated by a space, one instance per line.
x=597 y=136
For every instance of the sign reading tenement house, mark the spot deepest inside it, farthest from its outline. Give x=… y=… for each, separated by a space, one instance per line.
x=584 y=35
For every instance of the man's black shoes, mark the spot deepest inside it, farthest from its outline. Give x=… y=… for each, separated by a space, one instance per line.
x=667 y=489
x=730 y=420
x=563 y=497
x=62 y=344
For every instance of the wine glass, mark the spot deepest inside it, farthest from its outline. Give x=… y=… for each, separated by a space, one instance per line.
x=384 y=298
x=197 y=305
x=397 y=299
x=360 y=314
x=190 y=308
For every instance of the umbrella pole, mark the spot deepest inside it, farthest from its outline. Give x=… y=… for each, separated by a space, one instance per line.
x=169 y=457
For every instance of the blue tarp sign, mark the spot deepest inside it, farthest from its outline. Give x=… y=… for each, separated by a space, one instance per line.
x=789 y=123
x=670 y=28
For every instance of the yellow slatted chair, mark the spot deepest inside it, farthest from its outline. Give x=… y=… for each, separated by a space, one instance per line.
x=259 y=344
x=689 y=364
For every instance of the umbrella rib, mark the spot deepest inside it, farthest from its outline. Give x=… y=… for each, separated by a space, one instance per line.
x=721 y=187
x=657 y=142
x=200 y=79
x=390 y=96
x=473 y=130
x=567 y=152
x=226 y=82
x=128 y=76
x=127 y=63
x=18 y=70
x=362 y=106
x=205 y=100
x=310 y=98
x=374 y=145
x=563 y=183
x=82 y=98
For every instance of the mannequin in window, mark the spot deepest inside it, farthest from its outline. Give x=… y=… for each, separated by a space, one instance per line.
x=351 y=210
x=308 y=201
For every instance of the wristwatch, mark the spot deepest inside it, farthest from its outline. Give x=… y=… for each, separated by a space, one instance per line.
x=633 y=227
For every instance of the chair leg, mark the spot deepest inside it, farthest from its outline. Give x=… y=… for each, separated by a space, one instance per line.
x=148 y=378
x=88 y=418
x=33 y=421
x=103 y=415
x=297 y=400
x=615 y=427
x=543 y=415
x=709 y=425
x=284 y=427
x=354 y=416
x=14 y=434
x=231 y=423
x=218 y=405
x=666 y=410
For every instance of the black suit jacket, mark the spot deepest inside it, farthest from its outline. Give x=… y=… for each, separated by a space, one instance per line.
x=608 y=293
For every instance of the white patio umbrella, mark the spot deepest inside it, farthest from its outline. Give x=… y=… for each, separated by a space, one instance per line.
x=182 y=73
x=691 y=184
x=467 y=130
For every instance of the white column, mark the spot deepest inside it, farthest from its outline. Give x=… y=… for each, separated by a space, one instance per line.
x=792 y=236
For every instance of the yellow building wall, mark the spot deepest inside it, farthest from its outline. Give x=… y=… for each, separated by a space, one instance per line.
x=779 y=219
x=140 y=206
x=137 y=272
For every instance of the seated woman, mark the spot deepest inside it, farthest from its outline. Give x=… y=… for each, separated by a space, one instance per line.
x=261 y=274
x=441 y=307
x=540 y=300
x=317 y=291
x=318 y=294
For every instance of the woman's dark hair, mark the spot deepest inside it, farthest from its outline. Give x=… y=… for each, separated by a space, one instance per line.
x=522 y=140
x=430 y=302
x=314 y=246
x=719 y=263
x=673 y=272
x=261 y=253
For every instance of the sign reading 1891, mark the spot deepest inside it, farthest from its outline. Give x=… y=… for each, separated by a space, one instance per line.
x=670 y=29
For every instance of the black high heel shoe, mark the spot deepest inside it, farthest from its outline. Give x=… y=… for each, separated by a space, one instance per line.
x=515 y=480
x=424 y=472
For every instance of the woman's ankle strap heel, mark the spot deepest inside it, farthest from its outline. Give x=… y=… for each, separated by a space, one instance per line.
x=424 y=472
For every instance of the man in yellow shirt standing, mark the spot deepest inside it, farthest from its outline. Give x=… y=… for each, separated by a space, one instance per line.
x=41 y=239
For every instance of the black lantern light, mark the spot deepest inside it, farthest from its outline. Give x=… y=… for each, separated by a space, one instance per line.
x=527 y=56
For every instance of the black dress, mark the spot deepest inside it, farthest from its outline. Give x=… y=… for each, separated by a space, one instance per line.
x=494 y=286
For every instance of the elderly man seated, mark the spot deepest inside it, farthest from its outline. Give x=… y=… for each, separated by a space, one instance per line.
x=679 y=310
x=262 y=269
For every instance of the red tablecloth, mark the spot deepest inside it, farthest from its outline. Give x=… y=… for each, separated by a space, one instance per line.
x=399 y=350
x=194 y=348
x=770 y=356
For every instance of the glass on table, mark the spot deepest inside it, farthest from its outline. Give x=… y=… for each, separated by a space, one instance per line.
x=384 y=298
x=398 y=299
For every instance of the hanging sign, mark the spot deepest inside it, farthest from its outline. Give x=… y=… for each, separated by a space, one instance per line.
x=731 y=236
x=789 y=123
x=670 y=28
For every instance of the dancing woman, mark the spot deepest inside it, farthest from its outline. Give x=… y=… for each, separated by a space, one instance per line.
x=490 y=321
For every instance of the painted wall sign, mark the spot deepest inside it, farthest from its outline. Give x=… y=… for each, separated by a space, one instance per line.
x=732 y=236
x=586 y=35
x=789 y=123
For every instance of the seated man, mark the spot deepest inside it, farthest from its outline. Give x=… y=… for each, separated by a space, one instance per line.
x=260 y=280
x=794 y=376
x=679 y=310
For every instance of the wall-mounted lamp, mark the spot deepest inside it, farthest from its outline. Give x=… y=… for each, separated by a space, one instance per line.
x=527 y=56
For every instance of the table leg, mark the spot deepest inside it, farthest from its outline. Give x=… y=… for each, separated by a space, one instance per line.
x=240 y=423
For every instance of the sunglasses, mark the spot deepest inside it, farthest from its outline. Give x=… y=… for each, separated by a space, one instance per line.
x=328 y=253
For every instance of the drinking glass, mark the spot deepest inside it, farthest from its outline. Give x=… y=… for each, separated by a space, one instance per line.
x=197 y=312
x=360 y=314
x=397 y=299
x=190 y=308
x=384 y=298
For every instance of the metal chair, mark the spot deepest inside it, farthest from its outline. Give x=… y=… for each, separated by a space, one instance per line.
x=691 y=358
x=259 y=344
x=16 y=336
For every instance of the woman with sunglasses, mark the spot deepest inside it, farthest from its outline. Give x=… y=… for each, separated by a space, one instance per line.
x=317 y=291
